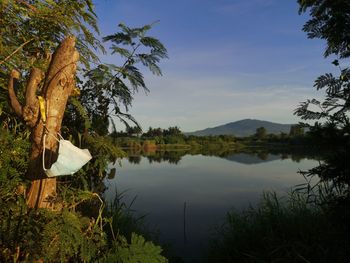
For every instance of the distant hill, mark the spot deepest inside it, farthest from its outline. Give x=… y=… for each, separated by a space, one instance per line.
x=243 y=128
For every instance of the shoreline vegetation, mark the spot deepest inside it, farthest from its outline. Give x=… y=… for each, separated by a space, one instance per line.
x=173 y=142
x=173 y=139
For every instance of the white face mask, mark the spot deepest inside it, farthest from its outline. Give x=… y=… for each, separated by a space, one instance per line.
x=70 y=159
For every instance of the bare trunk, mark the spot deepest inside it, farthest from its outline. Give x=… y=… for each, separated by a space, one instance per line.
x=58 y=85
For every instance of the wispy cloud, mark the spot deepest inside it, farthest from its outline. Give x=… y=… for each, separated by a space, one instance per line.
x=204 y=88
x=194 y=103
x=229 y=59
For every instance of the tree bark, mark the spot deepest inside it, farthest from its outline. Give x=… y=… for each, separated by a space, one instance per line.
x=58 y=85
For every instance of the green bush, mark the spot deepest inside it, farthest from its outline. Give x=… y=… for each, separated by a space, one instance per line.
x=136 y=251
x=79 y=228
x=68 y=236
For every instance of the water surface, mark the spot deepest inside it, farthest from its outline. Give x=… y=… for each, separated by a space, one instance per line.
x=208 y=186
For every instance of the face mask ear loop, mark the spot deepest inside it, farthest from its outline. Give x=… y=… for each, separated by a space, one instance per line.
x=42 y=106
x=44 y=139
x=60 y=137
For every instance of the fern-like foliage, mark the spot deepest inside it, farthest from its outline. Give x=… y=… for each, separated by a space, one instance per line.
x=40 y=26
x=329 y=21
x=104 y=152
x=328 y=80
x=336 y=105
x=107 y=91
x=63 y=237
x=13 y=163
x=138 y=250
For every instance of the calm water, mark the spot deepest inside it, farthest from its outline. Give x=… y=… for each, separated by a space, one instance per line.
x=210 y=186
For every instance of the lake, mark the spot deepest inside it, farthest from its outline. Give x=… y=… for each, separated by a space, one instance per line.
x=186 y=195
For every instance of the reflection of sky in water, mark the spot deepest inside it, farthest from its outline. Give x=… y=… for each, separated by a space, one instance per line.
x=210 y=186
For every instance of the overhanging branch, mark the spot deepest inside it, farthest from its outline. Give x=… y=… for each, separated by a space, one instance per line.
x=15 y=51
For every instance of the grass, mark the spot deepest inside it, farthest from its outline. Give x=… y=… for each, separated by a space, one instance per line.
x=124 y=220
x=280 y=230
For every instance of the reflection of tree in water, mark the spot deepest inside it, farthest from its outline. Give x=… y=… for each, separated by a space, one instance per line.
x=135 y=159
x=112 y=173
x=335 y=166
x=259 y=154
x=173 y=157
x=253 y=155
x=332 y=189
x=284 y=156
x=263 y=155
x=154 y=158
x=297 y=158
x=214 y=150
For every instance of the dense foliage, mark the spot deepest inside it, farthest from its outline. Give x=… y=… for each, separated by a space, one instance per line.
x=329 y=21
x=79 y=227
x=69 y=232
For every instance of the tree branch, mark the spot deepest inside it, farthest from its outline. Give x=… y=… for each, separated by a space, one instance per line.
x=16 y=106
x=31 y=7
x=14 y=52
x=31 y=108
x=36 y=75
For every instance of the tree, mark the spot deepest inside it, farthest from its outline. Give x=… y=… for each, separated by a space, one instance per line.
x=153 y=132
x=136 y=130
x=109 y=88
x=30 y=31
x=260 y=133
x=58 y=85
x=296 y=130
x=172 y=131
x=329 y=20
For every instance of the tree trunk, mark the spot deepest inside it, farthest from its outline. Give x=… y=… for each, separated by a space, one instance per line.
x=58 y=84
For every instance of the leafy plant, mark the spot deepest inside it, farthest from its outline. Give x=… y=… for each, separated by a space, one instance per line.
x=108 y=87
x=138 y=250
x=334 y=109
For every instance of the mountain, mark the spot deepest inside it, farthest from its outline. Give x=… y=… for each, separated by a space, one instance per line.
x=243 y=128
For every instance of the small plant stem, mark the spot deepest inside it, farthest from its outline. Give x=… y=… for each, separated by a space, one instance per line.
x=14 y=52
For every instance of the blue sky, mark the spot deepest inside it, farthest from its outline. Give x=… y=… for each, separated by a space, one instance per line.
x=228 y=60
